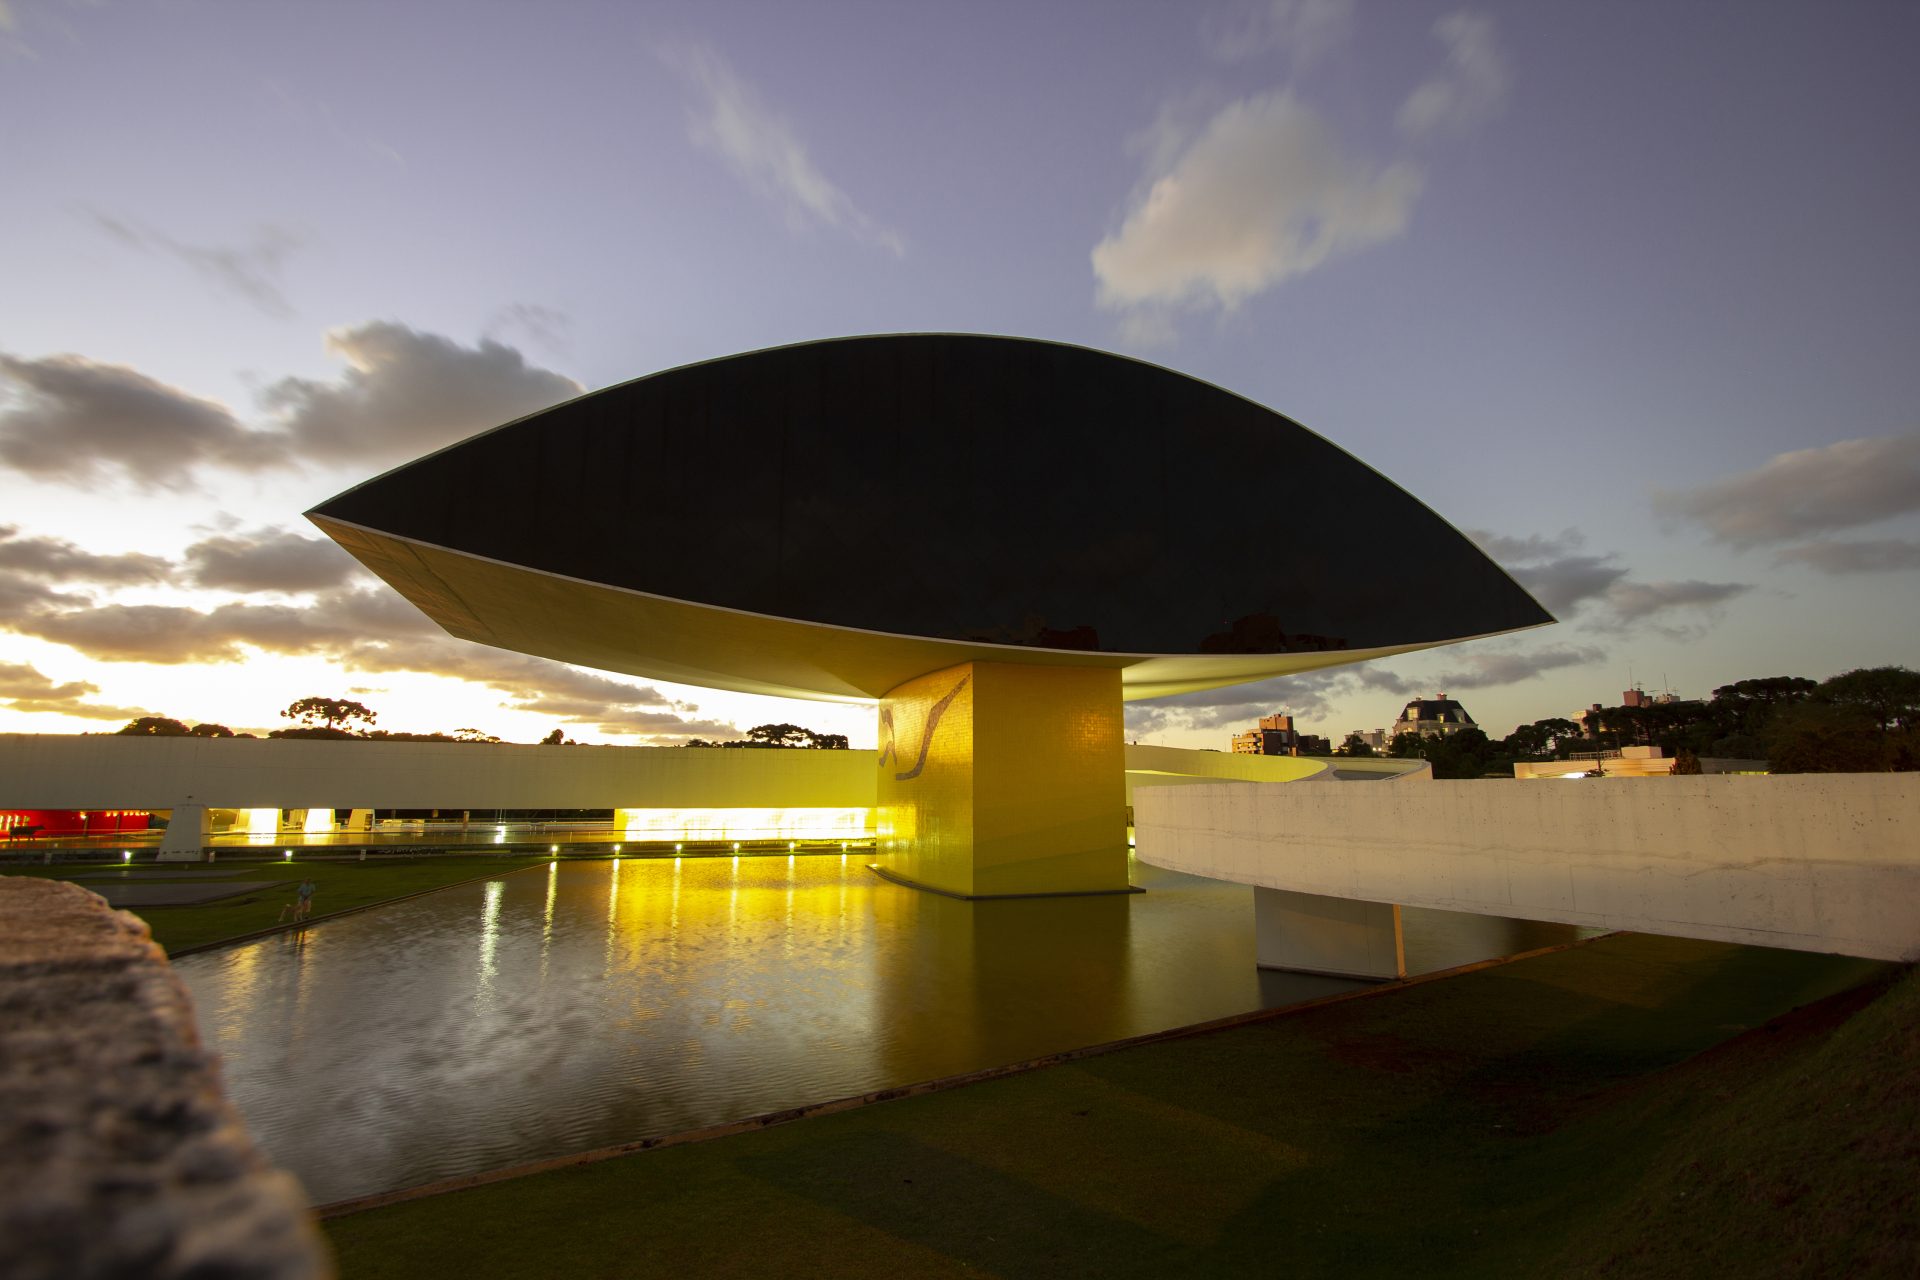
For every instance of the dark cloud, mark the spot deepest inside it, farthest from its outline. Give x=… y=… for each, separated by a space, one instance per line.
x=405 y=392
x=1638 y=601
x=1566 y=581
x=1833 y=555
x=23 y=688
x=1503 y=667
x=57 y=560
x=1807 y=492
x=370 y=630
x=1309 y=696
x=265 y=560
x=252 y=272
x=70 y=419
x=1551 y=567
x=664 y=725
x=22 y=596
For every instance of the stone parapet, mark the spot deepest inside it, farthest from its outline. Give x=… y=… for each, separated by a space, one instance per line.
x=119 y=1152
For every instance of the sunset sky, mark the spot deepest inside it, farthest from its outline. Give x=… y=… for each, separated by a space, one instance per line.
x=1627 y=291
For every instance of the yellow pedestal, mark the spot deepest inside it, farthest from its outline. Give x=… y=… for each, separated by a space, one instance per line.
x=1001 y=779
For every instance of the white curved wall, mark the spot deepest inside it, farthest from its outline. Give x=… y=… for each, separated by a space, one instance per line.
x=1827 y=862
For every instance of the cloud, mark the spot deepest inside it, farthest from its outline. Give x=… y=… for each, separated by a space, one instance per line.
x=1806 y=492
x=1305 y=30
x=1262 y=194
x=72 y=420
x=265 y=560
x=251 y=272
x=23 y=688
x=1552 y=568
x=1567 y=581
x=57 y=560
x=1639 y=601
x=1505 y=667
x=1833 y=555
x=763 y=151
x=1310 y=696
x=22 y=596
x=371 y=630
x=1468 y=91
x=405 y=392
x=546 y=327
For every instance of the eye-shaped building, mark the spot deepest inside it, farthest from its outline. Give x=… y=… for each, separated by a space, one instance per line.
x=997 y=538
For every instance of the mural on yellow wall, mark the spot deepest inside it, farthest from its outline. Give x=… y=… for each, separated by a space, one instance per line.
x=1004 y=778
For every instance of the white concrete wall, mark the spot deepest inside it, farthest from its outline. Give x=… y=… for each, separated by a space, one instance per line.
x=49 y=771
x=1827 y=862
x=106 y=771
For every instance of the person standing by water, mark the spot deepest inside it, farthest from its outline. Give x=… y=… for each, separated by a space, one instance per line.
x=304 y=903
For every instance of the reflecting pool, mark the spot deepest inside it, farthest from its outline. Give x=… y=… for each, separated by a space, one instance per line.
x=584 y=1004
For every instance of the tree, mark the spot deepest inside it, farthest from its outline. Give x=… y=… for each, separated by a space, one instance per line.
x=1744 y=707
x=472 y=735
x=826 y=741
x=1888 y=696
x=1828 y=739
x=1354 y=746
x=328 y=713
x=777 y=735
x=1686 y=764
x=210 y=731
x=557 y=739
x=154 y=727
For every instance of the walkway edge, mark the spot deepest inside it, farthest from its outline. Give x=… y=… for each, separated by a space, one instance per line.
x=271 y=930
x=767 y=1120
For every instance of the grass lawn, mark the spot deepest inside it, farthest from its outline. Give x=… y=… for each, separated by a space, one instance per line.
x=339 y=886
x=1622 y=1108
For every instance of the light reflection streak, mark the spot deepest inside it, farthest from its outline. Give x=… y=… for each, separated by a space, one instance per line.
x=546 y=928
x=613 y=905
x=489 y=937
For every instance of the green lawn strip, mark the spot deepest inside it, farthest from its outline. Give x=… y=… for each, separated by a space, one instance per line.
x=1793 y=1151
x=339 y=886
x=1473 y=1126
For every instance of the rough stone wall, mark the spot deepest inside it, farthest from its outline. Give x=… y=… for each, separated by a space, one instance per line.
x=119 y=1153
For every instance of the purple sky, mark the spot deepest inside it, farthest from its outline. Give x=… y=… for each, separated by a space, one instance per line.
x=1627 y=289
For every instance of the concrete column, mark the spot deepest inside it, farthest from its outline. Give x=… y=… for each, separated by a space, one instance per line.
x=1342 y=937
x=360 y=820
x=998 y=778
x=189 y=832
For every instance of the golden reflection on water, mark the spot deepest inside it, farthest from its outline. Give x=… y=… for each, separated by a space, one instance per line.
x=607 y=1001
x=489 y=937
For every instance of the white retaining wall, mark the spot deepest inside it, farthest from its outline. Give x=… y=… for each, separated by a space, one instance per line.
x=1822 y=862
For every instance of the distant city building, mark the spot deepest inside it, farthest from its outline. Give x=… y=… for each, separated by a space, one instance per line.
x=1312 y=744
x=1628 y=762
x=1274 y=737
x=1433 y=718
x=1375 y=738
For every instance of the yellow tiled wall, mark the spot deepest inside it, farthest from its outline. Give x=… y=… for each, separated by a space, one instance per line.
x=1019 y=786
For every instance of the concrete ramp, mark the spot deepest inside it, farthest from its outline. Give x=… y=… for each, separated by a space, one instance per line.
x=1826 y=862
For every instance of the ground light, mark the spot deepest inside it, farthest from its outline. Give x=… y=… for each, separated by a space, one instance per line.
x=126 y=855
x=553 y=848
x=289 y=855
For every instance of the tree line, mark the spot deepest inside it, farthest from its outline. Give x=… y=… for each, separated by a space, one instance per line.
x=1861 y=721
x=342 y=718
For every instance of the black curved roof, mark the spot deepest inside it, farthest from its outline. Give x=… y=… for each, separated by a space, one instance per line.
x=961 y=487
x=1445 y=710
